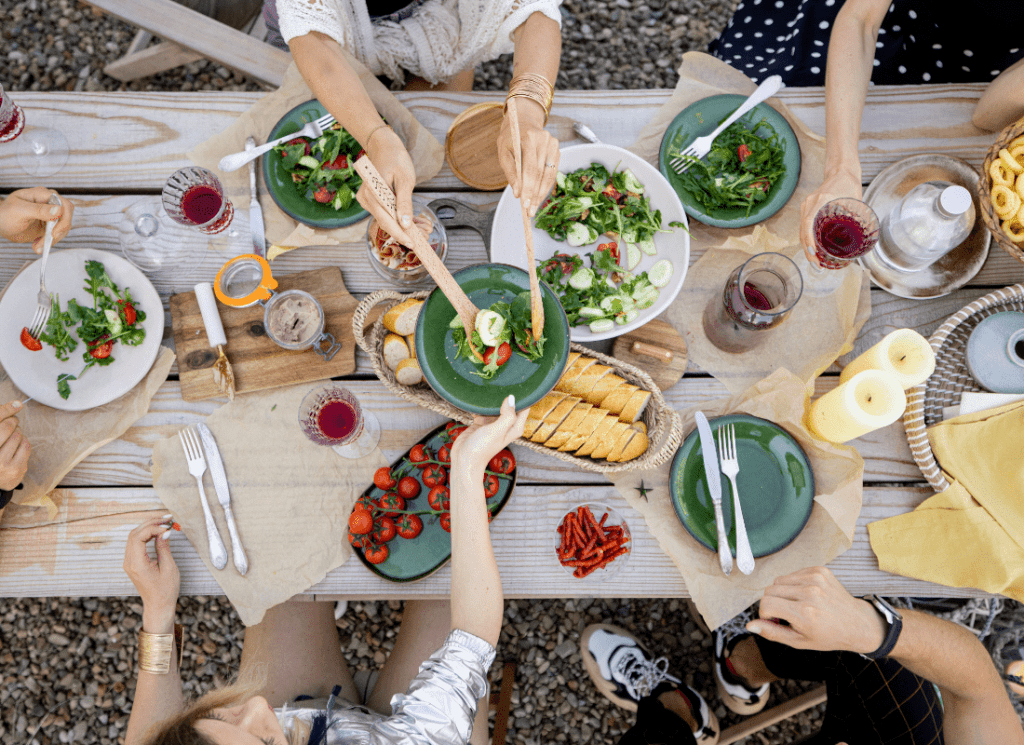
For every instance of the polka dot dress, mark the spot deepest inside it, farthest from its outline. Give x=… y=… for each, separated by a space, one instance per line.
x=920 y=41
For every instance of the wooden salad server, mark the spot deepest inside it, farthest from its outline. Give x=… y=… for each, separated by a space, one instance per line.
x=388 y=218
x=536 y=299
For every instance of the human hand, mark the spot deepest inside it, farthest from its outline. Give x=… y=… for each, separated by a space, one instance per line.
x=486 y=436
x=157 y=580
x=24 y=214
x=840 y=184
x=387 y=152
x=539 y=152
x=821 y=614
x=14 y=447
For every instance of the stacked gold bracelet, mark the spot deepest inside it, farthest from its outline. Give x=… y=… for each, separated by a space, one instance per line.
x=155 y=650
x=534 y=87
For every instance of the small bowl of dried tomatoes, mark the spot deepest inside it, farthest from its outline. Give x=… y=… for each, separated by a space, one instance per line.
x=592 y=541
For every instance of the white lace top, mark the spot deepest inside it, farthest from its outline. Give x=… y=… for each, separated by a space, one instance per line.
x=440 y=39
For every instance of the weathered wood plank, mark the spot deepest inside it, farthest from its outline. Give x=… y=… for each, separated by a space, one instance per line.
x=81 y=552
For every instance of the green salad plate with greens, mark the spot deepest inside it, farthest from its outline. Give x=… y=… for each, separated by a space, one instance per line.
x=291 y=198
x=701 y=118
x=775 y=483
x=457 y=379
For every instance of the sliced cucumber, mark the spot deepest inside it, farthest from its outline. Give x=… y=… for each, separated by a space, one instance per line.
x=588 y=312
x=582 y=278
x=633 y=256
x=602 y=325
x=648 y=298
x=627 y=317
x=660 y=273
x=309 y=161
x=608 y=303
x=647 y=246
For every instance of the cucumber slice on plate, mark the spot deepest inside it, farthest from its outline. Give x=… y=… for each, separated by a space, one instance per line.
x=588 y=312
x=660 y=273
x=602 y=325
x=633 y=256
x=582 y=278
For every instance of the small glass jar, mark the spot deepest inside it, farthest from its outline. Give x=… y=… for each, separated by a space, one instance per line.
x=388 y=263
x=294 y=319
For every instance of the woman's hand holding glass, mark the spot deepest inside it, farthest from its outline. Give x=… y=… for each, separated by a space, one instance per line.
x=157 y=580
x=842 y=183
x=539 y=151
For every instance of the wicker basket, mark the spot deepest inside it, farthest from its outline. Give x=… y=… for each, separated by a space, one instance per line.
x=988 y=212
x=926 y=401
x=664 y=426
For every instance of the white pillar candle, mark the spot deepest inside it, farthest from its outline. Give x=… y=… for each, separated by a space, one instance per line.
x=870 y=400
x=904 y=353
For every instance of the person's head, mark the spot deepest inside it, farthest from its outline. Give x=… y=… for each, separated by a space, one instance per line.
x=229 y=716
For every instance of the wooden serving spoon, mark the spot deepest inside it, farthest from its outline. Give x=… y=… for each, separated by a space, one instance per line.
x=415 y=239
x=536 y=300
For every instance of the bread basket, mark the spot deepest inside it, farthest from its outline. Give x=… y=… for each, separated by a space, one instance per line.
x=988 y=212
x=664 y=426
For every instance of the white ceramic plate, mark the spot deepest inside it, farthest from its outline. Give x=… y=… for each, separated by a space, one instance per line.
x=508 y=241
x=35 y=373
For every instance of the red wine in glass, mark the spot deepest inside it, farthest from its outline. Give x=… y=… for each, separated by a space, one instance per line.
x=12 y=118
x=201 y=204
x=843 y=230
x=194 y=197
x=337 y=420
x=330 y=415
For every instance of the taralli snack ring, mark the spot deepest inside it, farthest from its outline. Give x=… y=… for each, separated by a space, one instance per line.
x=1005 y=201
x=1017 y=151
x=1016 y=142
x=1019 y=188
x=1014 y=228
x=1000 y=173
x=1010 y=161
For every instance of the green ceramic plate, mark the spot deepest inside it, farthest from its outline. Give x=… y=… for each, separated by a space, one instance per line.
x=775 y=482
x=701 y=118
x=279 y=181
x=412 y=559
x=456 y=380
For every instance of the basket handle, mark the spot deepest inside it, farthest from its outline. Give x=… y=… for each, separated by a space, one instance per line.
x=363 y=309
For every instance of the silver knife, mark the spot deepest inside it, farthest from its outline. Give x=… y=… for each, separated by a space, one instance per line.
x=220 y=483
x=259 y=241
x=714 y=476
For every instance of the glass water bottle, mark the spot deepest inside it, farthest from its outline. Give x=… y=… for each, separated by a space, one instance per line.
x=932 y=219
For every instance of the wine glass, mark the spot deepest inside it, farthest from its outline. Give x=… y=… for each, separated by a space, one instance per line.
x=757 y=296
x=330 y=415
x=194 y=197
x=844 y=229
x=153 y=242
x=41 y=151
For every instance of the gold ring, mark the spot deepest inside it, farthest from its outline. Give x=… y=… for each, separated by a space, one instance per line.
x=550 y=165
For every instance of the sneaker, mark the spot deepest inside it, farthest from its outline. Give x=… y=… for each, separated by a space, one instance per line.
x=734 y=692
x=624 y=672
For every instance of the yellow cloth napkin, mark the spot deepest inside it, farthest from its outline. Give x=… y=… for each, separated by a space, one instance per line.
x=971 y=534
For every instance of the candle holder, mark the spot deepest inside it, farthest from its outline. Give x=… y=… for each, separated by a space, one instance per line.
x=757 y=297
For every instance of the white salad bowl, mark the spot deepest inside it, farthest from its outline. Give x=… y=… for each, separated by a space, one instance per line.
x=508 y=242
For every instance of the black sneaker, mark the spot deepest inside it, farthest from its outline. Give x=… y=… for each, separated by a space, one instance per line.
x=736 y=694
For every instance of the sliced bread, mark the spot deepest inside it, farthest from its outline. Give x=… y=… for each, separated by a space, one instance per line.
x=585 y=429
x=554 y=419
x=604 y=447
x=395 y=350
x=402 y=318
x=602 y=388
x=411 y=341
x=543 y=407
x=572 y=372
x=588 y=378
x=531 y=427
x=635 y=406
x=615 y=400
x=635 y=448
x=639 y=427
x=587 y=448
x=569 y=426
x=408 y=372
x=626 y=437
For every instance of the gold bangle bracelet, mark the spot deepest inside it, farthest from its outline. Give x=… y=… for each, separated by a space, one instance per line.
x=155 y=650
x=373 y=131
x=545 y=96
x=530 y=97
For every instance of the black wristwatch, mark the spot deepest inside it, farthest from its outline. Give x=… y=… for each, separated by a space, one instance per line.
x=894 y=621
x=6 y=495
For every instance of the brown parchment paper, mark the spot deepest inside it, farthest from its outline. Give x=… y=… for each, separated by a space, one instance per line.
x=838 y=485
x=426 y=152
x=291 y=498
x=816 y=332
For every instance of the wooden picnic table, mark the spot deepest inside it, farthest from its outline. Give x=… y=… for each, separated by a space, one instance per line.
x=125 y=145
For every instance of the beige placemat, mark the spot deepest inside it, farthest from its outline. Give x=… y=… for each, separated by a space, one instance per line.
x=426 y=152
x=291 y=498
x=815 y=333
x=838 y=485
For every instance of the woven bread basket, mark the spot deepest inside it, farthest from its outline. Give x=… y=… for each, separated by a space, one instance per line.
x=988 y=211
x=664 y=426
x=951 y=377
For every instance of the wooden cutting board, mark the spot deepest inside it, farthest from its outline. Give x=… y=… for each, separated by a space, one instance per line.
x=257 y=362
x=657 y=349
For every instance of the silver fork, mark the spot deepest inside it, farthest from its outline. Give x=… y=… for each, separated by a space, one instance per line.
x=197 y=467
x=730 y=467
x=702 y=145
x=313 y=130
x=44 y=301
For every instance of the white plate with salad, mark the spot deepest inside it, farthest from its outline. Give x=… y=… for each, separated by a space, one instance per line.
x=36 y=373
x=611 y=240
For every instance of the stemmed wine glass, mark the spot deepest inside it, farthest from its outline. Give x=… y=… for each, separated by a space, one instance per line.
x=41 y=151
x=195 y=198
x=844 y=229
x=331 y=415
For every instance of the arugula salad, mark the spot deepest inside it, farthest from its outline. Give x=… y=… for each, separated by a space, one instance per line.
x=740 y=169
x=323 y=169
x=495 y=331
x=113 y=317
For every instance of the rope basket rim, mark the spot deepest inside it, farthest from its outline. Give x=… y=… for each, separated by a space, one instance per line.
x=988 y=212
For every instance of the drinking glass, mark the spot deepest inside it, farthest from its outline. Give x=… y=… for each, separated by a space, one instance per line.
x=330 y=415
x=12 y=118
x=843 y=230
x=194 y=197
x=153 y=242
x=40 y=151
x=757 y=296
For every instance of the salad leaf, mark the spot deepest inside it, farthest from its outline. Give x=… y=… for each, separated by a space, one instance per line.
x=323 y=170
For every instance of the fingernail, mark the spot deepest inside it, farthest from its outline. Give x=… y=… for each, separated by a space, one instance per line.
x=16 y=404
x=511 y=401
x=406 y=221
x=166 y=535
x=54 y=210
x=167 y=517
x=754 y=628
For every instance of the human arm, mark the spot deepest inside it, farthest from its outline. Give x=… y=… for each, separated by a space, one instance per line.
x=1003 y=100
x=538 y=43
x=157 y=697
x=337 y=86
x=14 y=448
x=851 y=55
x=25 y=212
x=822 y=615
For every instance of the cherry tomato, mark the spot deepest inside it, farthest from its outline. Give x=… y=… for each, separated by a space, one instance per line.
x=408 y=487
x=389 y=502
x=100 y=348
x=490 y=485
x=409 y=526
x=383 y=479
x=419 y=454
x=743 y=152
x=360 y=521
x=611 y=192
x=446 y=521
x=129 y=312
x=438 y=498
x=761 y=184
x=444 y=454
x=366 y=502
x=503 y=462
x=454 y=429
x=29 y=342
x=504 y=352
x=323 y=195
x=434 y=475
x=376 y=554
x=383 y=529
x=358 y=541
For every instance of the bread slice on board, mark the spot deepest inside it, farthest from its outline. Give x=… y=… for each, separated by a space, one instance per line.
x=627 y=436
x=603 y=387
x=395 y=350
x=634 y=408
x=531 y=427
x=615 y=400
x=604 y=447
x=588 y=378
x=587 y=448
x=554 y=419
x=572 y=372
x=569 y=426
x=635 y=448
x=402 y=318
x=585 y=429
